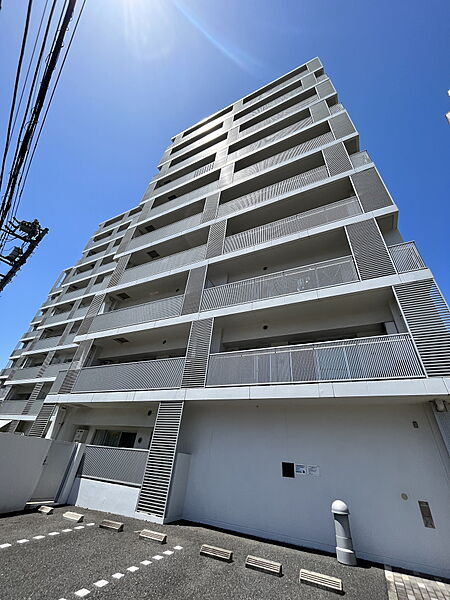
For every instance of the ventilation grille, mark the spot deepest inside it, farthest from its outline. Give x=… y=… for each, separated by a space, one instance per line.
x=42 y=420
x=428 y=318
x=341 y=125
x=216 y=239
x=158 y=471
x=197 y=354
x=194 y=290
x=319 y=111
x=369 y=250
x=371 y=190
x=336 y=159
x=210 y=208
x=325 y=89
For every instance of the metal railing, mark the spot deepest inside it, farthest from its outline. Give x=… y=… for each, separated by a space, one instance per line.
x=174 y=261
x=164 y=373
x=406 y=257
x=107 y=463
x=329 y=213
x=299 y=90
x=272 y=191
x=281 y=115
x=285 y=156
x=49 y=342
x=277 y=88
x=359 y=159
x=379 y=357
x=16 y=407
x=162 y=232
x=187 y=177
x=90 y=273
x=142 y=313
x=26 y=373
x=335 y=108
x=301 y=279
x=203 y=140
x=171 y=204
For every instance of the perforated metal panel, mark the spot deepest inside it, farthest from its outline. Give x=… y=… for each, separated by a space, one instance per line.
x=371 y=190
x=210 y=208
x=341 y=125
x=319 y=111
x=194 y=288
x=308 y=81
x=428 y=318
x=325 y=89
x=369 y=250
x=42 y=420
x=197 y=354
x=216 y=238
x=336 y=159
x=33 y=398
x=314 y=64
x=161 y=457
x=122 y=465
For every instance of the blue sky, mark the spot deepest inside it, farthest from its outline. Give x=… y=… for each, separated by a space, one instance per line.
x=142 y=70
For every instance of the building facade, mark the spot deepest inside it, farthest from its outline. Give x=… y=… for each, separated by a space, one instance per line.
x=252 y=341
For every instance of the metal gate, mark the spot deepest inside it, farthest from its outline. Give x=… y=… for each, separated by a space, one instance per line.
x=54 y=471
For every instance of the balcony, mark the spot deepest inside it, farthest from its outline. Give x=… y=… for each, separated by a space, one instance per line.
x=163 y=373
x=330 y=213
x=377 y=357
x=360 y=159
x=91 y=273
x=276 y=88
x=119 y=465
x=16 y=407
x=301 y=279
x=162 y=232
x=174 y=180
x=141 y=313
x=175 y=202
x=32 y=372
x=406 y=257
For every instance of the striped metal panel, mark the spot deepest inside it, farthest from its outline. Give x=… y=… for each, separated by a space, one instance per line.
x=377 y=357
x=360 y=159
x=107 y=463
x=216 y=238
x=342 y=209
x=369 y=250
x=319 y=111
x=33 y=399
x=165 y=373
x=314 y=64
x=308 y=81
x=120 y=268
x=371 y=190
x=301 y=279
x=68 y=378
x=287 y=186
x=406 y=257
x=194 y=289
x=13 y=426
x=42 y=420
x=336 y=159
x=428 y=318
x=92 y=312
x=341 y=125
x=210 y=208
x=161 y=458
x=286 y=155
x=197 y=354
x=325 y=88
x=291 y=110
x=141 y=313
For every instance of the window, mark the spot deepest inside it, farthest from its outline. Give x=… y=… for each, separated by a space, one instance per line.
x=287 y=469
x=118 y=439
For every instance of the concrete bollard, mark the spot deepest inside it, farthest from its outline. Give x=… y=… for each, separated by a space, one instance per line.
x=344 y=546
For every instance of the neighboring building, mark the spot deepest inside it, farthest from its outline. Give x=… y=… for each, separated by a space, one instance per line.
x=259 y=323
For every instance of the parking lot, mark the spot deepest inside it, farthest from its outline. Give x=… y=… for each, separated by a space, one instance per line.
x=49 y=557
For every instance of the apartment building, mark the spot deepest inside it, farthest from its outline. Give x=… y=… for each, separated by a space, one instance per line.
x=252 y=341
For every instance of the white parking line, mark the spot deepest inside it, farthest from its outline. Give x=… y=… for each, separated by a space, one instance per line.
x=66 y=530
x=89 y=524
x=118 y=575
x=168 y=552
x=157 y=557
x=79 y=527
x=82 y=593
x=146 y=562
x=41 y=537
x=53 y=533
x=133 y=569
x=101 y=583
x=5 y=545
x=178 y=547
x=38 y=537
x=24 y=541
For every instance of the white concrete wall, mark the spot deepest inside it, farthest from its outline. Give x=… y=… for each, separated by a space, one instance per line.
x=368 y=456
x=21 y=460
x=101 y=495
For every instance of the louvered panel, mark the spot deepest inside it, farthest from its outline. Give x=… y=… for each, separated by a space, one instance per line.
x=161 y=457
x=428 y=318
x=319 y=111
x=325 y=89
x=369 y=250
x=12 y=426
x=336 y=159
x=371 y=190
x=32 y=399
x=197 y=354
x=210 y=208
x=216 y=239
x=92 y=312
x=42 y=420
x=194 y=289
x=68 y=381
x=341 y=125
x=118 y=272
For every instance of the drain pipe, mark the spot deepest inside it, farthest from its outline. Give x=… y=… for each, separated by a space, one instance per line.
x=344 y=546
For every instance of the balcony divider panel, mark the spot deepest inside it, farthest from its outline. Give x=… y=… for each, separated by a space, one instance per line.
x=197 y=354
x=336 y=159
x=369 y=250
x=319 y=111
x=371 y=190
x=194 y=288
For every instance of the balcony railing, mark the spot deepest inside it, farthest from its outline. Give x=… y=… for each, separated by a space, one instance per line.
x=142 y=313
x=285 y=156
x=330 y=213
x=281 y=115
x=272 y=103
x=162 y=232
x=32 y=372
x=86 y=274
x=106 y=463
x=301 y=279
x=16 y=407
x=272 y=191
x=49 y=342
x=144 y=375
x=380 y=357
x=168 y=263
x=406 y=257
x=188 y=177
x=360 y=159
x=277 y=88
x=171 y=204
